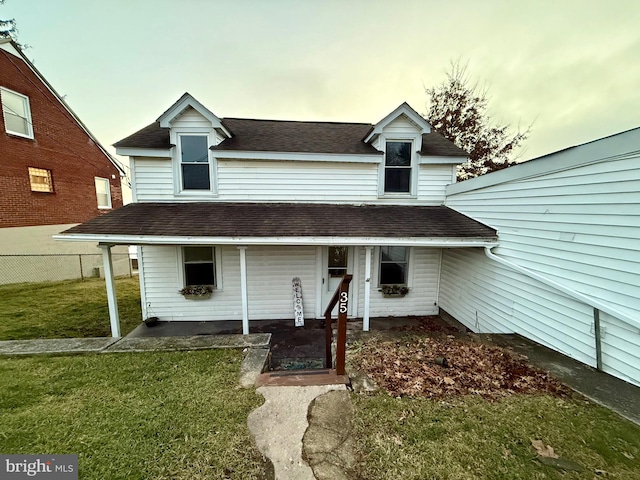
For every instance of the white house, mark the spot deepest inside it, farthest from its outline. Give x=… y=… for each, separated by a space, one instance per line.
x=246 y=205
x=568 y=259
x=548 y=249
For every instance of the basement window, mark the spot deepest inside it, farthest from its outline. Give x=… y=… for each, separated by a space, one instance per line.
x=394 y=263
x=40 y=179
x=16 y=113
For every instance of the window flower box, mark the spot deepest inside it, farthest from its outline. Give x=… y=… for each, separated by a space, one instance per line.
x=394 y=291
x=196 y=292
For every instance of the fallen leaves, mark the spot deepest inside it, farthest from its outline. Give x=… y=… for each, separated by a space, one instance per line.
x=408 y=368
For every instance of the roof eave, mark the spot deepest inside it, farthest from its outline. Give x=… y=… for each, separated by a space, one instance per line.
x=444 y=242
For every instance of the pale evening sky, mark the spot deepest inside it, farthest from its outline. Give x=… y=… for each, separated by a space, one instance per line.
x=570 y=67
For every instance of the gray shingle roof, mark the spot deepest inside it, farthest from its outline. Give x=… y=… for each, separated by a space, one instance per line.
x=288 y=136
x=291 y=136
x=151 y=136
x=212 y=219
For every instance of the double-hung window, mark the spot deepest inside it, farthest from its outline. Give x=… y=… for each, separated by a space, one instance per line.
x=194 y=162
x=199 y=266
x=394 y=263
x=16 y=113
x=103 y=192
x=397 y=167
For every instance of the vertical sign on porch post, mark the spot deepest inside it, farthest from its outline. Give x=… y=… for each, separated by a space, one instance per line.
x=297 y=302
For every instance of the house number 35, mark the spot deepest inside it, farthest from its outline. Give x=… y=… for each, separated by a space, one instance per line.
x=344 y=298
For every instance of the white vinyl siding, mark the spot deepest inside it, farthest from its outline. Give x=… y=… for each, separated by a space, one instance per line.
x=490 y=298
x=191 y=120
x=270 y=271
x=433 y=181
x=153 y=179
x=260 y=180
x=579 y=226
x=162 y=281
x=422 y=281
x=401 y=126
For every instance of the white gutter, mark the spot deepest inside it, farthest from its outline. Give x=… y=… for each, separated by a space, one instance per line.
x=564 y=289
x=359 y=241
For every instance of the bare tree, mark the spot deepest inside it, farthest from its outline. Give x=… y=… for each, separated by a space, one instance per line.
x=458 y=111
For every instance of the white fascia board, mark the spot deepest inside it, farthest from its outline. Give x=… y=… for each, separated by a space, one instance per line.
x=432 y=160
x=620 y=145
x=189 y=101
x=291 y=241
x=304 y=157
x=144 y=152
x=405 y=109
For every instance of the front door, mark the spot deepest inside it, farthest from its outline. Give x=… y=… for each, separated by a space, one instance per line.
x=337 y=262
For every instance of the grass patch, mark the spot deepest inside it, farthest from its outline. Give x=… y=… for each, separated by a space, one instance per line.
x=67 y=309
x=161 y=415
x=470 y=438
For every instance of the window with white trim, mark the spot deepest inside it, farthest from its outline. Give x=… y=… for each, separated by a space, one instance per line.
x=103 y=192
x=40 y=179
x=16 y=113
x=194 y=162
x=397 y=167
x=199 y=266
x=394 y=265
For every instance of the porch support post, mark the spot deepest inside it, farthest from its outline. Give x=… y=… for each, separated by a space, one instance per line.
x=112 y=301
x=243 y=287
x=367 y=287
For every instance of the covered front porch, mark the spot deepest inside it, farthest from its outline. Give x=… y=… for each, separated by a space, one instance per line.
x=256 y=250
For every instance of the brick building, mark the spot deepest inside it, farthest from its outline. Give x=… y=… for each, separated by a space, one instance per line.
x=54 y=172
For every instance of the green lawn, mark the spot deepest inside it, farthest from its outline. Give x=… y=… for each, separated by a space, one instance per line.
x=472 y=438
x=176 y=415
x=67 y=309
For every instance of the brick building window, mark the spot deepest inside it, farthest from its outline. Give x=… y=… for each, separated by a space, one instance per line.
x=40 y=179
x=103 y=192
x=16 y=113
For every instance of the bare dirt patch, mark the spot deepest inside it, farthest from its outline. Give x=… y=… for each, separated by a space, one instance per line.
x=416 y=366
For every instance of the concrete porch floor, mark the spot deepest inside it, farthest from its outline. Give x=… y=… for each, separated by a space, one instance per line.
x=289 y=343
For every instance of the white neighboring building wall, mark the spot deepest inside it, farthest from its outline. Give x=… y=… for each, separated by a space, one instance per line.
x=574 y=217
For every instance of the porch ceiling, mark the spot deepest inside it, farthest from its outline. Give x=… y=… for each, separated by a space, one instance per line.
x=283 y=223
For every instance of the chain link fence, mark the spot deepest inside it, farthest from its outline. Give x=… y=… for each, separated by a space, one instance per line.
x=55 y=267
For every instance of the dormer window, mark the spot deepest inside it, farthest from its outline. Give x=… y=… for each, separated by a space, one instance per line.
x=194 y=162
x=397 y=167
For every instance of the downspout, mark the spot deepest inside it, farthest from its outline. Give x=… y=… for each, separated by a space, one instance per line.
x=596 y=304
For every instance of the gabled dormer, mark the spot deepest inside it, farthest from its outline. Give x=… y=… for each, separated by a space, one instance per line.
x=193 y=130
x=399 y=137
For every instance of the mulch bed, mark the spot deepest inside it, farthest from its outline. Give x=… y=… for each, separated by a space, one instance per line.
x=410 y=367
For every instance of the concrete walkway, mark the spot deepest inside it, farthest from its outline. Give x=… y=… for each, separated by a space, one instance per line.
x=132 y=344
x=279 y=425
